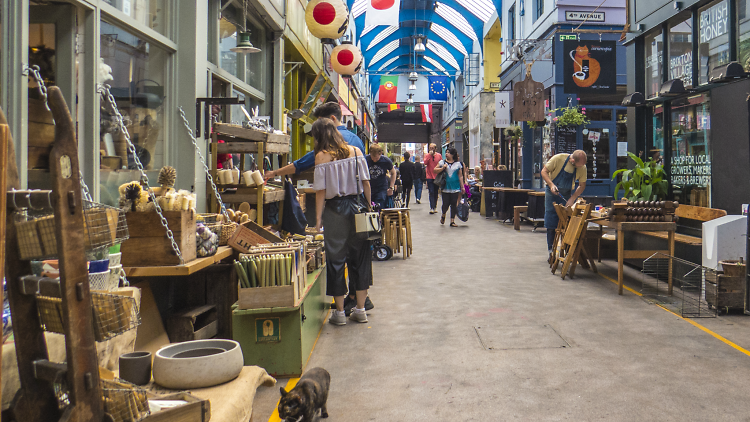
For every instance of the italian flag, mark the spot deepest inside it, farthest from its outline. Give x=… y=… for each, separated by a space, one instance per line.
x=388 y=89
x=426 y=112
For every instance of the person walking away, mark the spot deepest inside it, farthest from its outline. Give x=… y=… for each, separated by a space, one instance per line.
x=560 y=174
x=419 y=179
x=431 y=160
x=341 y=176
x=407 y=178
x=382 y=175
x=454 y=183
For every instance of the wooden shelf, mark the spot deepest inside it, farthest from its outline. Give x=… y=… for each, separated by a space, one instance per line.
x=180 y=270
x=250 y=135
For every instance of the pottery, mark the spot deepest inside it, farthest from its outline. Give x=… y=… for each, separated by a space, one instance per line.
x=136 y=367
x=98 y=266
x=197 y=364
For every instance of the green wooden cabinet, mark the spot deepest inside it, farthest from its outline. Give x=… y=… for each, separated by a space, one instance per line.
x=280 y=340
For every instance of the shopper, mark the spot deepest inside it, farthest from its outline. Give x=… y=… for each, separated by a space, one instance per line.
x=431 y=160
x=419 y=180
x=407 y=171
x=341 y=176
x=454 y=182
x=560 y=174
x=330 y=110
x=382 y=175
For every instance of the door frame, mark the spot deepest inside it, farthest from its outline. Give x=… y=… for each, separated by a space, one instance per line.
x=611 y=127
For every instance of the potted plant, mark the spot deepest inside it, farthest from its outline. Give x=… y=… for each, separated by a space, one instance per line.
x=645 y=182
x=571 y=116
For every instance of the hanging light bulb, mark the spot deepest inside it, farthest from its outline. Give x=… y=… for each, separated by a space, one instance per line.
x=409 y=100
x=419 y=47
x=412 y=86
x=413 y=76
x=244 y=45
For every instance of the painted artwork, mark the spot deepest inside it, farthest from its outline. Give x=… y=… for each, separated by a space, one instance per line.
x=590 y=67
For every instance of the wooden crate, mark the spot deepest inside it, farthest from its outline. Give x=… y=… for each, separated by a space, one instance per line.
x=277 y=296
x=196 y=410
x=725 y=293
x=149 y=245
x=193 y=324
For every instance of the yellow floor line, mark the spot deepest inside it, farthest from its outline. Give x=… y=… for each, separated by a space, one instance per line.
x=702 y=328
x=275 y=415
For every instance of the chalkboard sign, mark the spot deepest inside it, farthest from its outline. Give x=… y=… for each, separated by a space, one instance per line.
x=497 y=179
x=565 y=139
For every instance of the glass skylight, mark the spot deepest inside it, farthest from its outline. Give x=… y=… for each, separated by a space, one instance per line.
x=449 y=37
x=386 y=50
x=451 y=15
x=441 y=52
x=382 y=35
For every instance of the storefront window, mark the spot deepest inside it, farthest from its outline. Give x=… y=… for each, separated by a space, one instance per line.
x=622 y=139
x=599 y=114
x=596 y=143
x=681 y=50
x=654 y=50
x=691 y=150
x=743 y=23
x=714 y=37
x=151 y=13
x=246 y=67
x=138 y=75
x=656 y=146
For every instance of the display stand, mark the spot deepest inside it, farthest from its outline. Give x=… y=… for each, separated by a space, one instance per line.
x=241 y=140
x=280 y=340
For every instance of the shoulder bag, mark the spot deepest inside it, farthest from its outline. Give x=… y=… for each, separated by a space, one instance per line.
x=440 y=178
x=366 y=223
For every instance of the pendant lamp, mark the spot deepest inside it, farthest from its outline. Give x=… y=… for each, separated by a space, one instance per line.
x=244 y=45
x=327 y=19
x=412 y=86
x=346 y=59
x=419 y=47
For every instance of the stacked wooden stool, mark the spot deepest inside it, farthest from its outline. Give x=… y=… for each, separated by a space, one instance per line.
x=397 y=230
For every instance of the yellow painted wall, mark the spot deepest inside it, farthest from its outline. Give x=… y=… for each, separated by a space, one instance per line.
x=492 y=56
x=296 y=31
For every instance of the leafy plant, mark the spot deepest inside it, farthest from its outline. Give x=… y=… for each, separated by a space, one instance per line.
x=571 y=116
x=534 y=124
x=513 y=133
x=645 y=182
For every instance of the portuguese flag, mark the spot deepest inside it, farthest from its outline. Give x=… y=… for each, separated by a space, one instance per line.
x=388 y=89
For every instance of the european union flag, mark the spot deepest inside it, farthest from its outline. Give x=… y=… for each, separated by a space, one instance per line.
x=438 y=88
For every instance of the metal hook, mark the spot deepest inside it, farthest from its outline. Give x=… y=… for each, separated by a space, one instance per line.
x=49 y=199
x=28 y=201
x=14 y=198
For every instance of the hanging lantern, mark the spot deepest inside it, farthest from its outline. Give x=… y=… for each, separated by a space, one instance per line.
x=346 y=59
x=327 y=19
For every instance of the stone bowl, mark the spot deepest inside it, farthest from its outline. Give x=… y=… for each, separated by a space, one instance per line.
x=197 y=364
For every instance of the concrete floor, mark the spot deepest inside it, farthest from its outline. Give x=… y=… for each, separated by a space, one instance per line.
x=561 y=349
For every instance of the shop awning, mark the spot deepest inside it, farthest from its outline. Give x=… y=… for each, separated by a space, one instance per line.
x=344 y=109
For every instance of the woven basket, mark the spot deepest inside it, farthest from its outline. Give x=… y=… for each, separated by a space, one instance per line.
x=226 y=233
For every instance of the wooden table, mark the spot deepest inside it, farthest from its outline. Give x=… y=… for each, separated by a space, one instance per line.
x=622 y=254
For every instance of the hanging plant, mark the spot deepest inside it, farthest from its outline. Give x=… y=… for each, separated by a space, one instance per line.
x=534 y=124
x=513 y=133
x=571 y=116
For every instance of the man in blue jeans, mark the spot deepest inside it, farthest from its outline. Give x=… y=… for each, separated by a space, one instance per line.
x=419 y=179
x=330 y=110
x=431 y=160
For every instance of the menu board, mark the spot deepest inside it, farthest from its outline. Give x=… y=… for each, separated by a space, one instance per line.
x=565 y=139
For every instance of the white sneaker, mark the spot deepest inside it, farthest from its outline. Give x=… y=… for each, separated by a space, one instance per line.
x=337 y=318
x=358 y=316
x=418 y=201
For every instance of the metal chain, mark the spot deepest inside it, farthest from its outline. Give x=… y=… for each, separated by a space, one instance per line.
x=104 y=89
x=205 y=166
x=33 y=71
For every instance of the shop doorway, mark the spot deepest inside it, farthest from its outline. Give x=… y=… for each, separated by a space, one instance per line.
x=599 y=140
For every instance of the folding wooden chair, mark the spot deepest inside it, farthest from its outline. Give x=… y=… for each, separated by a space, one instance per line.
x=570 y=249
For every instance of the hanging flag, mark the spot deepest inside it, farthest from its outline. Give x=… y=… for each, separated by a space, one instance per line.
x=438 y=88
x=388 y=89
x=426 y=112
x=392 y=107
x=382 y=12
x=502 y=109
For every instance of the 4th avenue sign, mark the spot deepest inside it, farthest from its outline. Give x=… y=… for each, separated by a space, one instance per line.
x=585 y=16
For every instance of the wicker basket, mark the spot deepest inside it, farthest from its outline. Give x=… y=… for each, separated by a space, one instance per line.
x=124 y=401
x=113 y=314
x=206 y=218
x=226 y=233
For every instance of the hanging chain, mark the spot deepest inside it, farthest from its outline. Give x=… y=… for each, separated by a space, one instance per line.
x=104 y=89
x=33 y=71
x=205 y=166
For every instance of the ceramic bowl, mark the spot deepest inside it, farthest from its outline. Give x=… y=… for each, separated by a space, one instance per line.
x=197 y=364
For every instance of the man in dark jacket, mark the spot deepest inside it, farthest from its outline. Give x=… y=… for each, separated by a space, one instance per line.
x=419 y=178
x=407 y=171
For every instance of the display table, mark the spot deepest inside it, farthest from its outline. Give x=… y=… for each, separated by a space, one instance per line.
x=203 y=281
x=622 y=254
x=280 y=340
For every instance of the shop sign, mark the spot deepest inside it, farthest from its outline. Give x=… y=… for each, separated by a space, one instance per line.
x=692 y=170
x=502 y=109
x=528 y=100
x=268 y=330
x=584 y=16
x=590 y=67
x=714 y=22
x=681 y=67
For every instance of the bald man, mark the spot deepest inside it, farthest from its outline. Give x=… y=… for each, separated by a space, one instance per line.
x=560 y=174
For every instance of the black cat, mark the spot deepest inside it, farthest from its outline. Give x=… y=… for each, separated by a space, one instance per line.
x=303 y=401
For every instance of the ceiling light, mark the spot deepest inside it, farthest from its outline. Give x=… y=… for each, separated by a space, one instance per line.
x=244 y=45
x=419 y=47
x=413 y=76
x=412 y=87
x=409 y=100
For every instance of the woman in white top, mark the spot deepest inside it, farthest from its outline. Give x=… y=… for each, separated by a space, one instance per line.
x=341 y=176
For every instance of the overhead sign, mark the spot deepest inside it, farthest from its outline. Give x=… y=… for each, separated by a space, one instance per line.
x=584 y=16
x=528 y=100
x=410 y=109
x=590 y=67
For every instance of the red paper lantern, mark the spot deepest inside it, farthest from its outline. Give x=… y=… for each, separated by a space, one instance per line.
x=327 y=18
x=346 y=59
